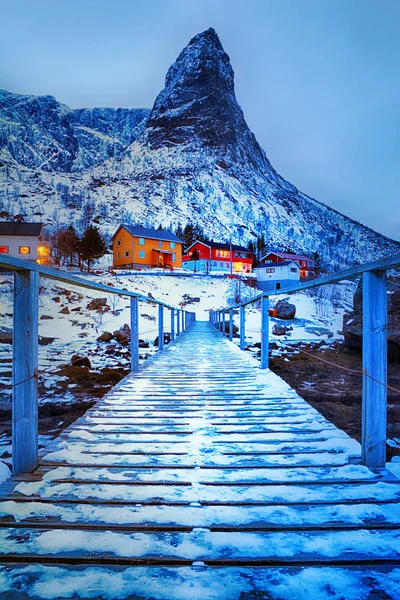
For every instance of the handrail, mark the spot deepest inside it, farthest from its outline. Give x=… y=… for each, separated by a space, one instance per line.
x=18 y=264
x=374 y=344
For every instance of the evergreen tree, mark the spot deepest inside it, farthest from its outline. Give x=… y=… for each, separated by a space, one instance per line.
x=92 y=245
x=195 y=258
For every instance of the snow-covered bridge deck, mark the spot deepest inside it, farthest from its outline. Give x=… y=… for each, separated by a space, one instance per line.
x=201 y=476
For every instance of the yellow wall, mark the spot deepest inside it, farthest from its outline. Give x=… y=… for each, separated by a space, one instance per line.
x=129 y=243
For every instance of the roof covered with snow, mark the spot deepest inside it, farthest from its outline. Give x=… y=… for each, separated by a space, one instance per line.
x=289 y=256
x=148 y=232
x=16 y=228
x=284 y=263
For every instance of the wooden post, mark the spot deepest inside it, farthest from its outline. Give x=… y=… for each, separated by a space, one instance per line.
x=25 y=365
x=242 y=326
x=183 y=321
x=134 y=334
x=264 y=332
x=178 y=322
x=223 y=323
x=172 y=325
x=230 y=324
x=160 y=327
x=374 y=395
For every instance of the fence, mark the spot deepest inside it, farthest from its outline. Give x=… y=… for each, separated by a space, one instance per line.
x=374 y=345
x=25 y=346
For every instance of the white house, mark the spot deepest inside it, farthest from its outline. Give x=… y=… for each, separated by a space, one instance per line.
x=23 y=240
x=276 y=276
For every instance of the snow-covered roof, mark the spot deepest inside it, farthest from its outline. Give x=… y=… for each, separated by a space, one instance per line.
x=23 y=229
x=284 y=263
x=221 y=246
x=148 y=232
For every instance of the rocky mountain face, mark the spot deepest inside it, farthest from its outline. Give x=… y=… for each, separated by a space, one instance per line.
x=191 y=158
x=39 y=132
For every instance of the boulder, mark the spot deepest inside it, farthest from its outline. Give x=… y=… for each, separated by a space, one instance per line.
x=45 y=341
x=57 y=299
x=279 y=329
x=5 y=335
x=45 y=317
x=64 y=311
x=105 y=337
x=285 y=310
x=97 y=303
x=80 y=361
x=167 y=338
x=143 y=344
x=353 y=322
x=235 y=329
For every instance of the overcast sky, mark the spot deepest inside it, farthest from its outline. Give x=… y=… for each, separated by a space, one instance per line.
x=318 y=80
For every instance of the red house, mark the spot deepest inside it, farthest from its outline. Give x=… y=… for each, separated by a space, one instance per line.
x=222 y=258
x=307 y=265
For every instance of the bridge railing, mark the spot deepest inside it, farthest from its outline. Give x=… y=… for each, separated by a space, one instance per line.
x=374 y=344
x=25 y=346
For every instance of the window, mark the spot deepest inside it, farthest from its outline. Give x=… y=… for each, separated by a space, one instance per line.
x=126 y=253
x=3 y=249
x=270 y=270
x=142 y=254
x=227 y=264
x=173 y=257
x=24 y=249
x=160 y=243
x=172 y=245
x=278 y=286
x=118 y=255
x=215 y=264
x=293 y=270
x=141 y=241
x=222 y=253
x=118 y=242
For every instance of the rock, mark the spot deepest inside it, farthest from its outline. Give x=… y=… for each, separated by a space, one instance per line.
x=5 y=335
x=279 y=329
x=235 y=329
x=77 y=309
x=65 y=311
x=352 y=322
x=57 y=299
x=121 y=338
x=46 y=317
x=80 y=361
x=45 y=341
x=110 y=349
x=143 y=344
x=97 y=303
x=126 y=330
x=105 y=337
x=285 y=309
x=167 y=338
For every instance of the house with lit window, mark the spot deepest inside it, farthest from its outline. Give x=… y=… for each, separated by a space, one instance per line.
x=222 y=258
x=135 y=246
x=24 y=240
x=276 y=276
x=306 y=264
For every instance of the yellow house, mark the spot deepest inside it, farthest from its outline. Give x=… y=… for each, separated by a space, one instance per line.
x=136 y=246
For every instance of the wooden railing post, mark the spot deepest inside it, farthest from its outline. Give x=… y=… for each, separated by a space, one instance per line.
x=223 y=323
x=374 y=394
x=264 y=332
x=183 y=321
x=178 y=322
x=25 y=365
x=242 y=326
x=160 y=327
x=230 y=324
x=172 y=311
x=134 y=334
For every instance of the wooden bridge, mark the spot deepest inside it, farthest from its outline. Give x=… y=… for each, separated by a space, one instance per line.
x=201 y=476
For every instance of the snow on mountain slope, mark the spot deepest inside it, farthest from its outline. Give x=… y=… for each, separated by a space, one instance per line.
x=195 y=159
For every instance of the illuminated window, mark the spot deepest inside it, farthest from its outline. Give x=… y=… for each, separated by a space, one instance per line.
x=222 y=253
x=3 y=249
x=118 y=242
x=141 y=241
x=172 y=245
x=142 y=254
x=126 y=253
x=160 y=244
x=24 y=249
x=270 y=270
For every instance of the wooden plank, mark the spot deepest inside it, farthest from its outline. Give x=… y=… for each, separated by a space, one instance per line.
x=25 y=364
x=374 y=394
